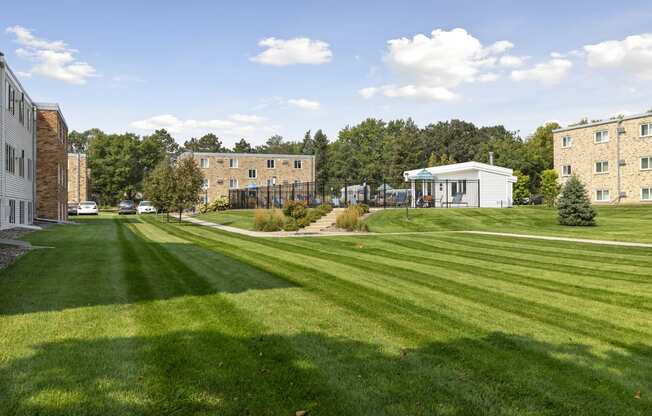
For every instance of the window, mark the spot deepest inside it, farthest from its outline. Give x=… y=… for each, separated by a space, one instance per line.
x=30 y=213
x=601 y=136
x=204 y=184
x=566 y=141
x=29 y=169
x=297 y=164
x=10 y=158
x=602 y=195
x=646 y=130
x=271 y=164
x=646 y=194
x=233 y=163
x=646 y=163
x=602 y=167
x=21 y=164
x=458 y=187
x=21 y=212
x=203 y=163
x=271 y=181
x=233 y=183
x=252 y=173
x=21 y=110
x=566 y=170
x=12 y=211
x=10 y=93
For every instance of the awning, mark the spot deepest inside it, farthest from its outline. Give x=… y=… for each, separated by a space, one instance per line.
x=422 y=175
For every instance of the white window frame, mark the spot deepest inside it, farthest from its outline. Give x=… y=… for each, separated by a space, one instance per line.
x=563 y=142
x=649 y=130
x=602 y=192
x=273 y=164
x=649 y=193
x=649 y=163
x=563 y=170
x=201 y=163
x=255 y=174
x=233 y=163
x=205 y=183
x=601 y=162
x=298 y=162
x=233 y=183
x=602 y=135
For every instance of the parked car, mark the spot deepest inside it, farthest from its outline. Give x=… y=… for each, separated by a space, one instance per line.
x=126 y=207
x=146 y=207
x=72 y=208
x=87 y=208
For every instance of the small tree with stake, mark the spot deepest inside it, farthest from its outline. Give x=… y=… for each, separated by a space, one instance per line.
x=574 y=206
x=188 y=184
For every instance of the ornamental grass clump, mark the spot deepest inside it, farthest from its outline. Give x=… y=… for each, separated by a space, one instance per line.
x=574 y=206
x=349 y=219
x=269 y=220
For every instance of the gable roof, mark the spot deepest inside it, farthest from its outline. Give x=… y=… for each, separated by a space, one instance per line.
x=461 y=167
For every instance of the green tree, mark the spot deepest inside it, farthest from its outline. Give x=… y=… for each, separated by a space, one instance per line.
x=550 y=186
x=320 y=142
x=79 y=142
x=540 y=152
x=442 y=160
x=242 y=147
x=208 y=143
x=401 y=149
x=114 y=161
x=188 y=184
x=155 y=148
x=521 y=188
x=159 y=186
x=308 y=144
x=574 y=206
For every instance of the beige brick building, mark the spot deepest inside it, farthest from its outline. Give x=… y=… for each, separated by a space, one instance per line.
x=78 y=178
x=224 y=171
x=612 y=158
x=51 y=163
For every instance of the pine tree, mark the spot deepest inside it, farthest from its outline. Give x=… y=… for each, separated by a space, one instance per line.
x=574 y=204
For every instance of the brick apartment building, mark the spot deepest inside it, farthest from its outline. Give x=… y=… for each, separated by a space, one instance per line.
x=224 y=171
x=51 y=163
x=17 y=144
x=78 y=178
x=612 y=158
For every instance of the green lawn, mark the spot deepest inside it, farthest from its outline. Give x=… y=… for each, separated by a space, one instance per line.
x=624 y=223
x=239 y=218
x=130 y=315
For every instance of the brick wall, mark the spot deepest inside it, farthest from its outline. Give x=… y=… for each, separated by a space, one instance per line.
x=584 y=153
x=78 y=178
x=51 y=166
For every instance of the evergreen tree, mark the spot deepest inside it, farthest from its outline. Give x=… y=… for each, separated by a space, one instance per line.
x=574 y=205
x=242 y=147
x=550 y=186
x=320 y=146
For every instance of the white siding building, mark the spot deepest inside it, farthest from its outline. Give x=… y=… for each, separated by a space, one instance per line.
x=469 y=184
x=18 y=146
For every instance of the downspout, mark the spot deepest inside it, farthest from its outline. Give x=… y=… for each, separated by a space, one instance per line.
x=618 y=159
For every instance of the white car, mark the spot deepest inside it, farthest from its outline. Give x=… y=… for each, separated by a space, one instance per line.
x=146 y=207
x=87 y=208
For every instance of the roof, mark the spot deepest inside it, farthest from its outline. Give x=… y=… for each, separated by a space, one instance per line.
x=461 y=167
x=52 y=107
x=423 y=174
x=261 y=155
x=602 y=122
x=3 y=62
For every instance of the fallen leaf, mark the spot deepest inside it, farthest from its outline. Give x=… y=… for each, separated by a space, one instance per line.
x=300 y=413
x=637 y=395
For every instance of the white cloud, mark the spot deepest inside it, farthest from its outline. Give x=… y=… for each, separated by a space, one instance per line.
x=281 y=52
x=123 y=79
x=304 y=104
x=547 y=73
x=430 y=66
x=421 y=92
x=175 y=125
x=633 y=54
x=24 y=74
x=511 y=61
x=53 y=59
x=247 y=118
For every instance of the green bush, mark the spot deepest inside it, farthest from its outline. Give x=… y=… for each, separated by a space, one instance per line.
x=349 y=219
x=269 y=220
x=218 y=204
x=574 y=206
x=290 y=225
x=325 y=208
x=295 y=209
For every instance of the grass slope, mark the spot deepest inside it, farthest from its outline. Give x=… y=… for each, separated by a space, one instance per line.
x=623 y=223
x=239 y=218
x=136 y=316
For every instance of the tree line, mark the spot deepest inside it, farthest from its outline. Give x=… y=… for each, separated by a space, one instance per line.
x=373 y=150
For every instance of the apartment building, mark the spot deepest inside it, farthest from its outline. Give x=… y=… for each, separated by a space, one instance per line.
x=79 y=183
x=224 y=171
x=613 y=158
x=18 y=144
x=51 y=163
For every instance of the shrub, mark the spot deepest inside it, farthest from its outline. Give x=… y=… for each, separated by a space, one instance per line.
x=349 y=219
x=290 y=225
x=325 y=208
x=574 y=206
x=220 y=204
x=269 y=220
x=521 y=188
x=549 y=186
x=295 y=209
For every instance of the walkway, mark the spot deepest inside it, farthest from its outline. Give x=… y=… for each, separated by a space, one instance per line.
x=569 y=239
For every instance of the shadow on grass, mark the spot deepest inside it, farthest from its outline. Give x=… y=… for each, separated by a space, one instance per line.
x=103 y=261
x=209 y=372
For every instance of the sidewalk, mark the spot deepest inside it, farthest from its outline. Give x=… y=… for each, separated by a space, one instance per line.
x=569 y=239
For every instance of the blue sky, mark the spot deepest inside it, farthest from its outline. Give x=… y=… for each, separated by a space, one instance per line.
x=253 y=69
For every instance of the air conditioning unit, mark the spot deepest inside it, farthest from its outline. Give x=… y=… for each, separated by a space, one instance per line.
x=622 y=162
x=220 y=161
x=220 y=181
x=621 y=130
x=623 y=194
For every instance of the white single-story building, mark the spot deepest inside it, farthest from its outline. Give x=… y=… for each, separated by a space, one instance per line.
x=469 y=184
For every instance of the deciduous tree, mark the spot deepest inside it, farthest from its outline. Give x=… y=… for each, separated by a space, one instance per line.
x=550 y=186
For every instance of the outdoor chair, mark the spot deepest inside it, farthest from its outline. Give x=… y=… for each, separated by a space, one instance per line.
x=457 y=200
